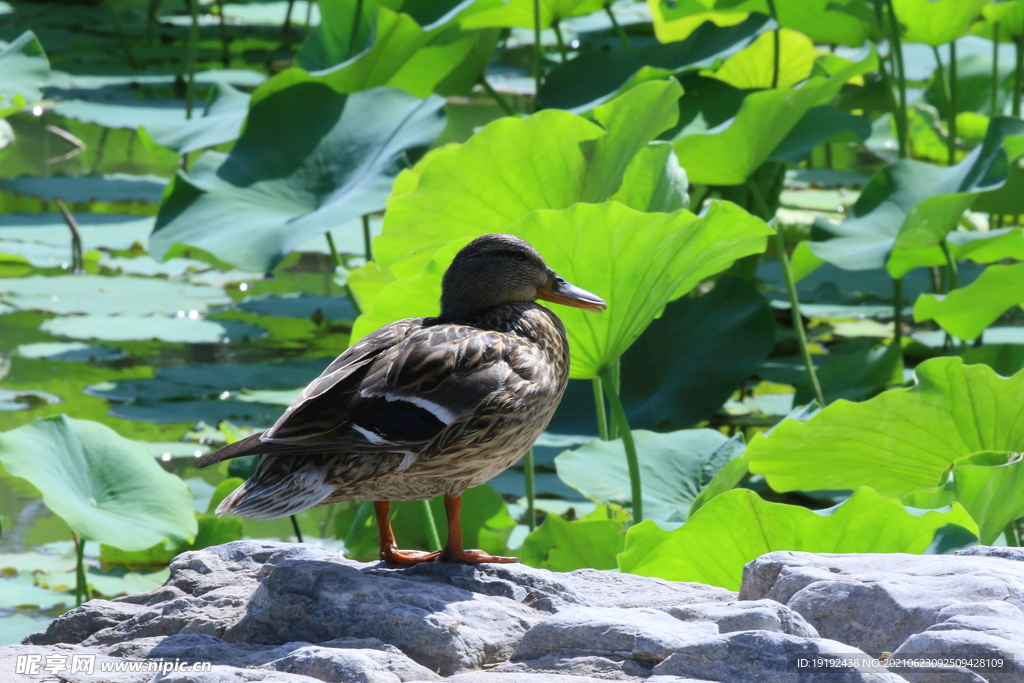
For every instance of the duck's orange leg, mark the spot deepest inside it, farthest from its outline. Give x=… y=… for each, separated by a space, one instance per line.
x=389 y=551
x=453 y=550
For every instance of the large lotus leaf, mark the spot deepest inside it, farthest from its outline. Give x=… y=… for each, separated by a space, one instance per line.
x=1009 y=16
x=730 y=153
x=936 y=22
x=107 y=488
x=520 y=13
x=818 y=125
x=284 y=183
x=116 y=187
x=979 y=246
x=397 y=37
x=24 y=71
x=674 y=467
x=220 y=122
x=988 y=485
x=678 y=20
x=966 y=312
x=829 y=22
x=726 y=333
x=637 y=262
x=855 y=376
x=754 y=66
x=514 y=166
x=591 y=542
x=738 y=526
x=654 y=182
x=108 y=295
x=911 y=205
x=1005 y=359
x=582 y=83
x=900 y=441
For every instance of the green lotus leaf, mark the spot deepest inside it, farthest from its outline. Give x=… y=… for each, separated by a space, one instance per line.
x=97 y=294
x=899 y=441
x=520 y=13
x=967 y=311
x=910 y=206
x=856 y=376
x=284 y=183
x=738 y=526
x=726 y=332
x=987 y=246
x=754 y=66
x=936 y=22
x=674 y=468
x=988 y=485
x=678 y=20
x=183 y=330
x=637 y=262
x=593 y=77
x=105 y=487
x=551 y=160
x=830 y=22
x=592 y=541
x=24 y=71
x=730 y=153
x=221 y=121
x=819 y=125
x=1005 y=359
x=654 y=182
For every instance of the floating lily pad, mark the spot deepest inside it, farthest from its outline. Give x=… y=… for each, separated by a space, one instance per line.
x=25 y=399
x=183 y=329
x=15 y=627
x=117 y=187
x=72 y=351
x=22 y=592
x=95 y=294
x=302 y=305
x=24 y=71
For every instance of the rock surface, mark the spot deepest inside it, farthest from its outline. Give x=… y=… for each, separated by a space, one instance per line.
x=258 y=611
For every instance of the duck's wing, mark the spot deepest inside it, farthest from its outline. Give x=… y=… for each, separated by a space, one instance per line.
x=393 y=397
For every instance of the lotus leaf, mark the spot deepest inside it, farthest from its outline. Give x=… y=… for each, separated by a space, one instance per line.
x=24 y=70
x=107 y=488
x=738 y=526
x=899 y=441
x=283 y=184
x=966 y=312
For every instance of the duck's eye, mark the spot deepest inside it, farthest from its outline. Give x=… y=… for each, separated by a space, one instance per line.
x=519 y=256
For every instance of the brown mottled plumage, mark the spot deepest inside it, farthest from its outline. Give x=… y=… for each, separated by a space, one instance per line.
x=426 y=406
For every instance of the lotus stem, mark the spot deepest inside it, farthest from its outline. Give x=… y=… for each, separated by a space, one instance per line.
x=602 y=416
x=776 y=52
x=901 y=80
x=995 y=70
x=613 y=427
x=125 y=44
x=77 y=257
x=531 y=493
x=287 y=18
x=953 y=279
x=225 y=56
x=358 y=17
x=897 y=311
x=334 y=250
x=193 y=55
x=496 y=96
x=950 y=112
x=433 y=540
x=367 y=238
x=798 y=323
x=537 y=57
x=295 y=527
x=1018 y=75
x=619 y=416
x=561 y=42
x=623 y=38
x=80 y=585
x=952 y=102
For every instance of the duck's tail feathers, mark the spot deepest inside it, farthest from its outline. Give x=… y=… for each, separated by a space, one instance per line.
x=279 y=487
x=250 y=445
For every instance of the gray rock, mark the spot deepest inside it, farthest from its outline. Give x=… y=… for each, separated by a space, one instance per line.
x=595 y=666
x=1016 y=554
x=760 y=615
x=516 y=677
x=645 y=635
x=229 y=674
x=969 y=644
x=766 y=656
x=876 y=602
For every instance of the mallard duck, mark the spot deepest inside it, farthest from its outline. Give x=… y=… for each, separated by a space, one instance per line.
x=424 y=406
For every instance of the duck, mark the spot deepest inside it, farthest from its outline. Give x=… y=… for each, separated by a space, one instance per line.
x=424 y=407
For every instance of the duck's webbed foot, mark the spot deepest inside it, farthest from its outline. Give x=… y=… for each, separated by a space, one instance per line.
x=472 y=556
x=393 y=555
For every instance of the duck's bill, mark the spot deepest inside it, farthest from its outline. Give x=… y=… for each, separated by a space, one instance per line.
x=561 y=292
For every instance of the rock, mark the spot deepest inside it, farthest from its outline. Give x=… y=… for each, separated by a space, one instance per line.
x=876 y=602
x=260 y=611
x=761 y=615
x=767 y=656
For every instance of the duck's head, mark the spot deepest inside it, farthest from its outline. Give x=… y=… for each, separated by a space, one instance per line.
x=500 y=269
